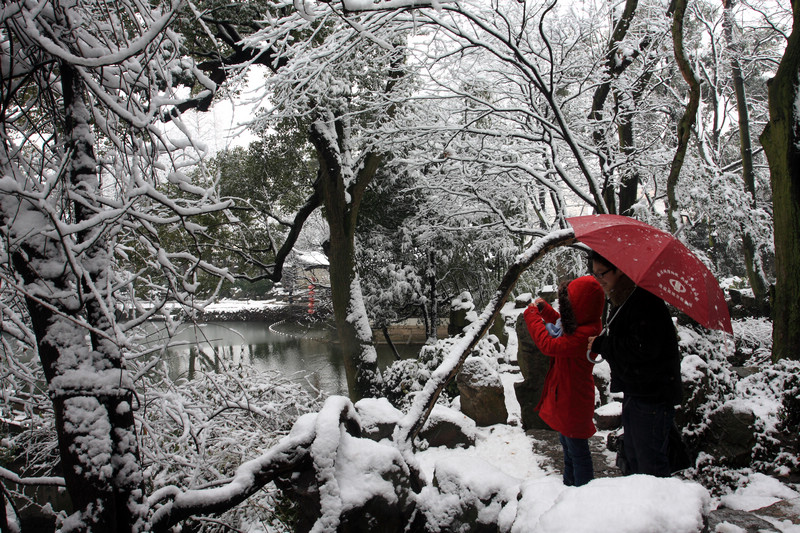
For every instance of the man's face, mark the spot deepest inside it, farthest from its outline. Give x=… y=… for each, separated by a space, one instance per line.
x=606 y=276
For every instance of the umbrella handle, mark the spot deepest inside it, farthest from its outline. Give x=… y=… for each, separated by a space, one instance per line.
x=589 y=352
x=594 y=361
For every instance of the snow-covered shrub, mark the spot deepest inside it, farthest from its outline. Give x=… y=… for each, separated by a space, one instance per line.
x=401 y=379
x=491 y=349
x=708 y=381
x=765 y=397
x=198 y=431
x=789 y=416
x=790 y=406
x=194 y=433
x=708 y=385
x=773 y=394
x=719 y=479
x=753 y=341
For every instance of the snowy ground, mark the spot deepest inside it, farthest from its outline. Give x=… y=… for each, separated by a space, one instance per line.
x=229 y=306
x=632 y=504
x=504 y=457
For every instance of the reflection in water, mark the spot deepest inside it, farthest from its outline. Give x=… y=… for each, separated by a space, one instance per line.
x=303 y=355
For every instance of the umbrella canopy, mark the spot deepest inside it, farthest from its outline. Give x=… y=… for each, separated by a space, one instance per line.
x=657 y=262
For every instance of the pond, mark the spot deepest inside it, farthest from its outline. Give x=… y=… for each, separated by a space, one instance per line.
x=299 y=352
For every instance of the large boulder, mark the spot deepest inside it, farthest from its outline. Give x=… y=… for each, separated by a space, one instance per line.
x=378 y=418
x=478 y=497
x=740 y=521
x=482 y=393
x=534 y=366
x=373 y=488
x=449 y=428
x=731 y=436
x=462 y=313
x=608 y=416
x=500 y=329
x=786 y=511
x=743 y=303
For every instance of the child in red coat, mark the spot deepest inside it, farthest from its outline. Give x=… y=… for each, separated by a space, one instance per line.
x=567 y=403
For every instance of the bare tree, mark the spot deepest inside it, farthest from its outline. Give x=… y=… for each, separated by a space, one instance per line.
x=548 y=73
x=617 y=60
x=685 y=124
x=347 y=83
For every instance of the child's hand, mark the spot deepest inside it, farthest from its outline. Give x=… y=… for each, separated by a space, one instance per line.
x=591 y=341
x=539 y=303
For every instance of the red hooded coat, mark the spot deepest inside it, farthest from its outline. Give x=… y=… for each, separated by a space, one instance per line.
x=567 y=403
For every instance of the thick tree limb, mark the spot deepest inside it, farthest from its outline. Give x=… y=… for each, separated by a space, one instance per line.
x=174 y=505
x=275 y=271
x=410 y=426
x=689 y=117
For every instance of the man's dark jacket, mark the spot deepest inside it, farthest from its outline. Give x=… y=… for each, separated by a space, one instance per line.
x=641 y=347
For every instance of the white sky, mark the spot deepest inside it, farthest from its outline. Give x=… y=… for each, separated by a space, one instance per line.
x=225 y=124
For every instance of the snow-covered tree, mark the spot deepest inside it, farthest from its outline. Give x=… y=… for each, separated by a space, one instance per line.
x=89 y=179
x=549 y=117
x=343 y=82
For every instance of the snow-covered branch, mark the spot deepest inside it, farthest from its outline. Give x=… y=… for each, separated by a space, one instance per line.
x=411 y=424
x=11 y=477
x=316 y=435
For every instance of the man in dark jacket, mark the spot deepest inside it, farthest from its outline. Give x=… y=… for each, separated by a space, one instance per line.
x=641 y=347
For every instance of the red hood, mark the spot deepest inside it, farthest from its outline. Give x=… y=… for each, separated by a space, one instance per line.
x=587 y=299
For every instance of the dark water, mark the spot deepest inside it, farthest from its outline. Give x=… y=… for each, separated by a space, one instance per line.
x=299 y=352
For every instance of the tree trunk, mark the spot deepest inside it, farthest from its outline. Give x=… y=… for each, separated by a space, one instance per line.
x=91 y=392
x=388 y=338
x=781 y=142
x=614 y=65
x=433 y=324
x=119 y=491
x=751 y=260
x=687 y=121
x=341 y=201
x=629 y=181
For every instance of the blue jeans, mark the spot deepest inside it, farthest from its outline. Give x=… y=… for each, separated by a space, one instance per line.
x=646 y=436
x=578 y=469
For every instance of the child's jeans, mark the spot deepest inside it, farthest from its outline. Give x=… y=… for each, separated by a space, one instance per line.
x=578 y=468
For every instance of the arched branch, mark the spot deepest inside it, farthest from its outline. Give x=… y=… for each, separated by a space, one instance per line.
x=410 y=426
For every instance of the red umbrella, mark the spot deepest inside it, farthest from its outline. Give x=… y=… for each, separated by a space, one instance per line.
x=657 y=262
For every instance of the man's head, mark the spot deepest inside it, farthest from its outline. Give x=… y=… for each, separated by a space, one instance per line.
x=605 y=272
